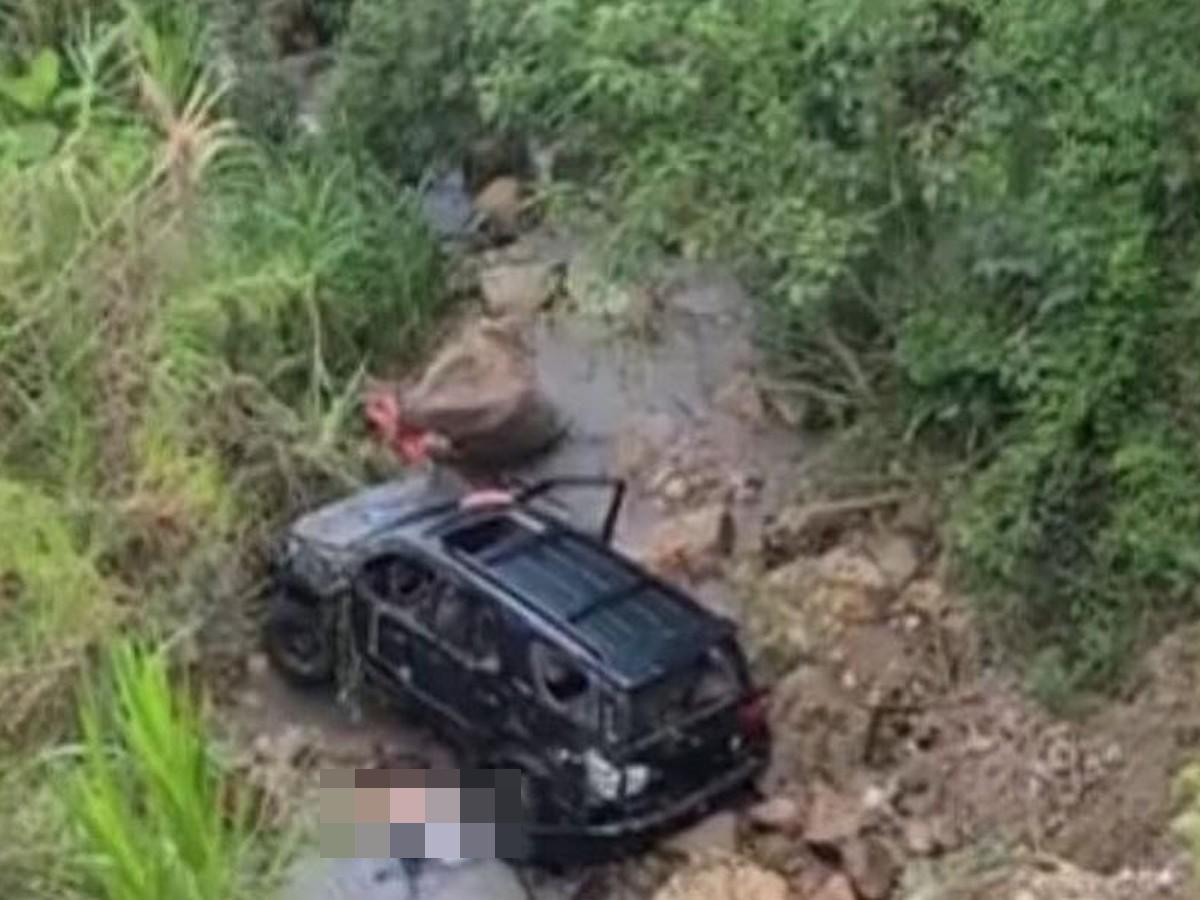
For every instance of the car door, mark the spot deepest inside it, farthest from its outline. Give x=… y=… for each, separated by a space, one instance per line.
x=457 y=655
x=388 y=593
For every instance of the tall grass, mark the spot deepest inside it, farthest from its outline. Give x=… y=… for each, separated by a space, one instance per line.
x=152 y=806
x=185 y=319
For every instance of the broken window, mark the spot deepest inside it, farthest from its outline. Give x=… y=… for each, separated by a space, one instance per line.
x=714 y=680
x=564 y=685
x=397 y=580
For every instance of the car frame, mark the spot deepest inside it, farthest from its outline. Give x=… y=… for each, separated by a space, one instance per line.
x=533 y=645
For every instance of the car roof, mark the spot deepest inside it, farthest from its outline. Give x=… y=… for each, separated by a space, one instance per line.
x=634 y=626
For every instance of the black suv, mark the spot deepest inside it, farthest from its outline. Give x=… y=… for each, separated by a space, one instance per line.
x=626 y=706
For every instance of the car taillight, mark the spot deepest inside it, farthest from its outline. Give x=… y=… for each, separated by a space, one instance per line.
x=752 y=716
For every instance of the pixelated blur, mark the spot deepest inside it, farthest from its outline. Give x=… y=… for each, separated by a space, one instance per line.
x=447 y=814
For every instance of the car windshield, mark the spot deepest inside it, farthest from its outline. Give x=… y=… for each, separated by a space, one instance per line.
x=713 y=681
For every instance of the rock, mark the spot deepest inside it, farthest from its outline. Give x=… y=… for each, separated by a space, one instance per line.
x=896 y=556
x=851 y=588
x=740 y=397
x=500 y=204
x=871 y=867
x=713 y=836
x=817 y=727
x=778 y=813
x=833 y=816
x=734 y=879
x=517 y=289
x=692 y=543
x=920 y=837
x=257 y=665
x=676 y=489
x=845 y=566
x=641 y=443
x=916 y=517
x=836 y=887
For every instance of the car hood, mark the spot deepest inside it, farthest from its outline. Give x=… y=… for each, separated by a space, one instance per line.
x=342 y=524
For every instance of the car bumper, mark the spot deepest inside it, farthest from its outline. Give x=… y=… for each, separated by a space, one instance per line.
x=598 y=841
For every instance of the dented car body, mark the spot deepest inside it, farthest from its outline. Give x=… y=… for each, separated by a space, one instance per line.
x=627 y=707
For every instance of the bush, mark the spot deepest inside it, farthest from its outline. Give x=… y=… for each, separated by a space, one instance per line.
x=157 y=818
x=402 y=94
x=975 y=222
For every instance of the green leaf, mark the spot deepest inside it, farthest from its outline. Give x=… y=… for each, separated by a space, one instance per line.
x=32 y=90
x=30 y=142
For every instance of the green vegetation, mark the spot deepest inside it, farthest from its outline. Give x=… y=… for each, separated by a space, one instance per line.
x=973 y=224
x=185 y=319
x=157 y=818
x=973 y=227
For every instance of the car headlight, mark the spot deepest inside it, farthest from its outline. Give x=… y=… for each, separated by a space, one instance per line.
x=606 y=780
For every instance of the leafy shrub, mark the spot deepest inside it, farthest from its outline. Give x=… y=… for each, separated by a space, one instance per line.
x=156 y=815
x=974 y=221
x=402 y=93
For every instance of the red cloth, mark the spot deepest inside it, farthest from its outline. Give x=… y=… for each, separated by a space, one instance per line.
x=383 y=414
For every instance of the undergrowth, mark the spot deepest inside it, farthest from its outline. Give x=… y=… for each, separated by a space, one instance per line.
x=186 y=314
x=156 y=816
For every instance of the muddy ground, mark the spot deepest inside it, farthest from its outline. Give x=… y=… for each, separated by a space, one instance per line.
x=902 y=747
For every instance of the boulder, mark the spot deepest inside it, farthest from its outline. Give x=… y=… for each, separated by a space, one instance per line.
x=833 y=816
x=641 y=443
x=871 y=866
x=897 y=556
x=836 y=887
x=741 y=398
x=731 y=879
x=780 y=813
x=482 y=397
x=715 y=835
x=520 y=289
x=500 y=204
x=692 y=543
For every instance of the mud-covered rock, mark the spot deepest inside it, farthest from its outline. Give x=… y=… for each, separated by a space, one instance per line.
x=779 y=813
x=500 y=204
x=741 y=398
x=517 y=289
x=897 y=555
x=833 y=816
x=715 y=835
x=818 y=727
x=732 y=879
x=1026 y=876
x=836 y=887
x=872 y=867
x=691 y=544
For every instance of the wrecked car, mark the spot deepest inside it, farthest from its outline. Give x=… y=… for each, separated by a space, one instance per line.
x=625 y=705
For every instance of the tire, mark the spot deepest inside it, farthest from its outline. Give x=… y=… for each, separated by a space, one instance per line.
x=299 y=642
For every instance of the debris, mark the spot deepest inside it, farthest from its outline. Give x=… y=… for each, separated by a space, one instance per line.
x=740 y=397
x=871 y=866
x=810 y=528
x=691 y=543
x=919 y=837
x=833 y=816
x=641 y=443
x=836 y=887
x=481 y=394
x=501 y=205
x=732 y=879
x=778 y=813
x=713 y=836
x=517 y=289
x=897 y=557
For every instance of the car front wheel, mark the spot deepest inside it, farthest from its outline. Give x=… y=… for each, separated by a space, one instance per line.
x=299 y=641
